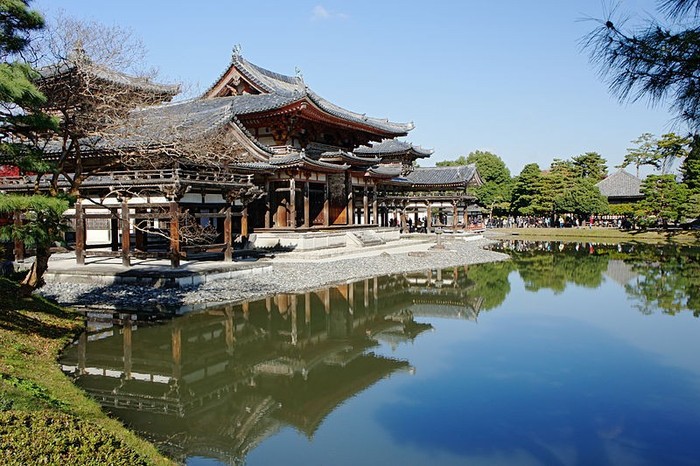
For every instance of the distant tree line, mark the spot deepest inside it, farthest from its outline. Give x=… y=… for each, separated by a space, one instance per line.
x=567 y=186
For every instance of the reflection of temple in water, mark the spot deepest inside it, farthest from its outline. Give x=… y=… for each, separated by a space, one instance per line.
x=217 y=383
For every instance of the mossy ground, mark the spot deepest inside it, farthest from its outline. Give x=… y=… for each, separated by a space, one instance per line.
x=44 y=418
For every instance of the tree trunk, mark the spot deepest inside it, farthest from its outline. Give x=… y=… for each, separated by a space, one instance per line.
x=35 y=277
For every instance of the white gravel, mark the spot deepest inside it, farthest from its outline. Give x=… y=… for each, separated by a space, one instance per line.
x=285 y=277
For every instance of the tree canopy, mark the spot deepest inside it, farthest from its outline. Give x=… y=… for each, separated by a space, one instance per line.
x=38 y=219
x=660 y=60
x=591 y=166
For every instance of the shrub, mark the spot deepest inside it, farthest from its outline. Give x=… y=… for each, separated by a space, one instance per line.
x=45 y=437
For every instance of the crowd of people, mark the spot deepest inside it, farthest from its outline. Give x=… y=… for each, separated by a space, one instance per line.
x=558 y=221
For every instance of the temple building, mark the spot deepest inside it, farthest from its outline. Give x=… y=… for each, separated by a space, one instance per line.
x=621 y=187
x=259 y=156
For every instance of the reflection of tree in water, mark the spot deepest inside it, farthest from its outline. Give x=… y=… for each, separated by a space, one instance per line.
x=660 y=277
x=668 y=280
x=490 y=282
x=552 y=265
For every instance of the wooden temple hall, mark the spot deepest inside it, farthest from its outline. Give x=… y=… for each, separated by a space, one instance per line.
x=258 y=157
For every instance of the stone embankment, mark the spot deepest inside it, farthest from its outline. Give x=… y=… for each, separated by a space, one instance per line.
x=287 y=276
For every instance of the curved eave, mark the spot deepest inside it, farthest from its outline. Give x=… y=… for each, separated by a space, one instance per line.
x=349 y=158
x=254 y=168
x=307 y=163
x=306 y=108
x=410 y=152
x=432 y=186
x=53 y=73
x=388 y=128
x=394 y=148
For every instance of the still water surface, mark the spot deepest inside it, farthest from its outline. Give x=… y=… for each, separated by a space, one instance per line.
x=567 y=354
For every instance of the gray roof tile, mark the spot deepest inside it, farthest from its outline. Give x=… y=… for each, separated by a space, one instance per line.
x=79 y=61
x=295 y=88
x=391 y=147
x=620 y=184
x=440 y=176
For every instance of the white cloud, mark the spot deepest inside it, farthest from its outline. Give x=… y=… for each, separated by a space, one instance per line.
x=321 y=13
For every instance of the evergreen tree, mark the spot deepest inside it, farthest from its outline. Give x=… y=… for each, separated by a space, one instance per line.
x=591 y=166
x=21 y=123
x=644 y=153
x=527 y=190
x=20 y=113
x=670 y=148
x=664 y=198
x=496 y=190
x=659 y=61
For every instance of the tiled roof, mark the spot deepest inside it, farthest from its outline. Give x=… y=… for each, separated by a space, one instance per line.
x=621 y=184
x=349 y=157
x=299 y=159
x=78 y=60
x=288 y=89
x=460 y=175
x=167 y=124
x=391 y=147
x=386 y=170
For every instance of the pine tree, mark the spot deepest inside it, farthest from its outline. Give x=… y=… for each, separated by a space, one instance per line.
x=21 y=124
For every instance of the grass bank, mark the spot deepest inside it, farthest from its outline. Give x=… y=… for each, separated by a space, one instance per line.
x=598 y=235
x=44 y=418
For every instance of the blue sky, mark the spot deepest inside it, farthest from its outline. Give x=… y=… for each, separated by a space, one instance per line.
x=507 y=76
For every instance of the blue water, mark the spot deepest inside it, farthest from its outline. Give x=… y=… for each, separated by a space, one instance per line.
x=577 y=370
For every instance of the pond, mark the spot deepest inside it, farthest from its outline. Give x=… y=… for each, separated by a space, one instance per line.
x=571 y=354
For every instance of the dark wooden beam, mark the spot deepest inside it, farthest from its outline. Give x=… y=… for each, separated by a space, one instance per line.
x=126 y=237
x=79 y=232
x=174 y=234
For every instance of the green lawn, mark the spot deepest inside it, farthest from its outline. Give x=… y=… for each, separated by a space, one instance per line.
x=600 y=235
x=44 y=418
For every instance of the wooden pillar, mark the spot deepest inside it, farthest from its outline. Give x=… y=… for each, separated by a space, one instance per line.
x=292 y=219
x=229 y=328
x=404 y=224
x=79 y=232
x=307 y=205
x=268 y=205
x=19 y=245
x=307 y=308
x=327 y=300
x=174 y=233
x=126 y=339
x=429 y=218
x=375 y=207
x=365 y=205
x=454 y=215
x=327 y=204
x=293 y=318
x=466 y=216
x=126 y=234
x=114 y=229
x=244 y=223
x=350 y=201
x=228 y=236
x=366 y=290
x=176 y=347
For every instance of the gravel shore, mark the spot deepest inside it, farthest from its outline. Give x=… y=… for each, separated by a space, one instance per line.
x=285 y=277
